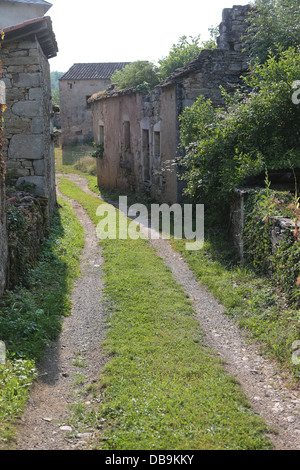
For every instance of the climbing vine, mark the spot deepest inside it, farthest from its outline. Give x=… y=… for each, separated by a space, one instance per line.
x=279 y=259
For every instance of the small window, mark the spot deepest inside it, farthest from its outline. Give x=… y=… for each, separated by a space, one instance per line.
x=88 y=105
x=126 y=135
x=146 y=154
x=70 y=85
x=101 y=134
x=157 y=144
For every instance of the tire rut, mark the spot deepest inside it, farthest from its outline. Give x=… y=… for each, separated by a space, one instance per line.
x=45 y=424
x=268 y=390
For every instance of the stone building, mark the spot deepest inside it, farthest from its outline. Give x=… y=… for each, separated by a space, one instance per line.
x=28 y=43
x=140 y=132
x=76 y=86
x=29 y=152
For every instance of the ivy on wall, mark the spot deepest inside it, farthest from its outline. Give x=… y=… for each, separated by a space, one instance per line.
x=269 y=248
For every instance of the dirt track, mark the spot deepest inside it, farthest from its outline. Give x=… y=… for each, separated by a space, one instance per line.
x=83 y=331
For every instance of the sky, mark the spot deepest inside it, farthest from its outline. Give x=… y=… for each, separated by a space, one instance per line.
x=126 y=31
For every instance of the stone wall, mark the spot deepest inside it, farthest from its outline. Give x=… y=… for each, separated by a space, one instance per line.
x=76 y=113
x=233 y=25
x=280 y=226
x=28 y=225
x=29 y=150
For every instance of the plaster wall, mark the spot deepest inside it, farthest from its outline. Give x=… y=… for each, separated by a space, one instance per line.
x=12 y=14
x=76 y=113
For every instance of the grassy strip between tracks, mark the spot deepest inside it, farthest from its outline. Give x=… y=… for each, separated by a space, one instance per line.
x=162 y=388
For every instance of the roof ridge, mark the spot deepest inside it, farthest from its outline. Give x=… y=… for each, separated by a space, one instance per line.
x=93 y=70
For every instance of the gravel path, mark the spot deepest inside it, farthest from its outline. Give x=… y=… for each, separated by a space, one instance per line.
x=268 y=392
x=45 y=424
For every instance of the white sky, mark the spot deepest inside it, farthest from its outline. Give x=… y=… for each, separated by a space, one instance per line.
x=125 y=31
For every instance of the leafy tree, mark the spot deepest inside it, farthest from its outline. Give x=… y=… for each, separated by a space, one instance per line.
x=260 y=130
x=180 y=55
x=146 y=75
x=274 y=26
x=135 y=74
x=55 y=76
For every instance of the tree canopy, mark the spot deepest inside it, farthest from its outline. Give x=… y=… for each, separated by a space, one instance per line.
x=147 y=74
x=136 y=73
x=274 y=26
x=253 y=132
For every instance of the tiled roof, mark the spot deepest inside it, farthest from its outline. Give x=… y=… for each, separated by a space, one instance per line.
x=93 y=71
x=41 y=27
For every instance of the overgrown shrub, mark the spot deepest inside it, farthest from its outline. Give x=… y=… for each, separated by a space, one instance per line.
x=86 y=164
x=282 y=260
x=273 y=26
x=254 y=131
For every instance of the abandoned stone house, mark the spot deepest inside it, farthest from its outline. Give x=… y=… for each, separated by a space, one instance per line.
x=29 y=42
x=76 y=86
x=140 y=131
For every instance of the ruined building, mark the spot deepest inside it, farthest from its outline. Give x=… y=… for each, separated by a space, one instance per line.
x=140 y=131
x=76 y=86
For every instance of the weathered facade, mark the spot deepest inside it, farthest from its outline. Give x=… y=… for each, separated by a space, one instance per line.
x=29 y=151
x=139 y=135
x=76 y=86
x=140 y=132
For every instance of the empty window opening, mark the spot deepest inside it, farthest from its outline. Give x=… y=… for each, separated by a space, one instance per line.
x=101 y=135
x=157 y=144
x=88 y=105
x=126 y=136
x=146 y=154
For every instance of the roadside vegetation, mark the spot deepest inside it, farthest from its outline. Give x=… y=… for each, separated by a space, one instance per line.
x=31 y=315
x=251 y=297
x=162 y=387
x=146 y=75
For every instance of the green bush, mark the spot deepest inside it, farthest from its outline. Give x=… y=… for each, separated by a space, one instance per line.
x=136 y=73
x=273 y=26
x=280 y=261
x=254 y=131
